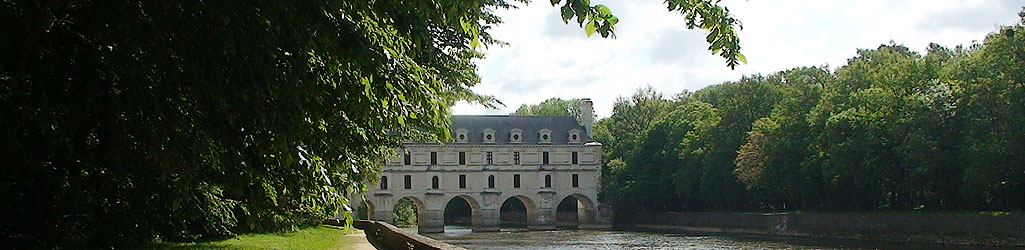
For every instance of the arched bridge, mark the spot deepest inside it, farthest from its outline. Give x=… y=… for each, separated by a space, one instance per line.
x=489 y=209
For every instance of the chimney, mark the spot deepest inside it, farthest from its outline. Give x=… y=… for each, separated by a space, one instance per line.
x=587 y=116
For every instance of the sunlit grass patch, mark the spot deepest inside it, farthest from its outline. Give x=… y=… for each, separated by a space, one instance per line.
x=319 y=237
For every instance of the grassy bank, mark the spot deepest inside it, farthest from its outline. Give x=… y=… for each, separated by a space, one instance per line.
x=319 y=237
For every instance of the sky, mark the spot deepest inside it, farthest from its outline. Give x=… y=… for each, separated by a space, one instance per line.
x=547 y=58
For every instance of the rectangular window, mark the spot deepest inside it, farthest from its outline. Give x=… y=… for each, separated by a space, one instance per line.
x=516 y=158
x=462 y=158
x=574 y=158
x=490 y=158
x=544 y=158
x=409 y=182
x=408 y=159
x=576 y=180
x=516 y=181
x=462 y=181
x=434 y=158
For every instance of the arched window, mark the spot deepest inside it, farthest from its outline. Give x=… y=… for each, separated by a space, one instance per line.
x=491 y=181
x=548 y=181
x=434 y=182
x=384 y=182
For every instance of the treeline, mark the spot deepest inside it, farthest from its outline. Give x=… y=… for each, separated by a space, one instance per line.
x=892 y=129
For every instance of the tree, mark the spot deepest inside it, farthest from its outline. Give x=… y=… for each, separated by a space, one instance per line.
x=705 y=14
x=881 y=129
x=630 y=116
x=656 y=161
x=130 y=121
x=739 y=105
x=405 y=214
x=552 y=107
x=771 y=161
x=890 y=129
x=621 y=132
x=989 y=90
x=125 y=122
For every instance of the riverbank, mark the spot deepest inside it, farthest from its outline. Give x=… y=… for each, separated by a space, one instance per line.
x=314 y=238
x=981 y=229
x=386 y=236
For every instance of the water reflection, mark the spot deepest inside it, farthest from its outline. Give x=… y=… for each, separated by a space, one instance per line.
x=588 y=239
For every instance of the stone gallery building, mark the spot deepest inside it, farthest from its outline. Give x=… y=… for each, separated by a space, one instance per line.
x=535 y=171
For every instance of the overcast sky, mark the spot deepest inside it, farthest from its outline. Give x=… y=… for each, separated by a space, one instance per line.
x=547 y=58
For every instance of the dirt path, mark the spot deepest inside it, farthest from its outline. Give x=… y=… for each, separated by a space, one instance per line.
x=357 y=241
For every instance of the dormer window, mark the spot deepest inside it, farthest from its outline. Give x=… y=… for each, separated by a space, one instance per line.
x=544 y=136
x=489 y=136
x=461 y=135
x=574 y=136
x=516 y=136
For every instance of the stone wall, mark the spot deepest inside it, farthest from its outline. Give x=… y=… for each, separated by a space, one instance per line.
x=385 y=236
x=968 y=229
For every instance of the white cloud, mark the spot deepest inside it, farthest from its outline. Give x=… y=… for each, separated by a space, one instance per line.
x=548 y=59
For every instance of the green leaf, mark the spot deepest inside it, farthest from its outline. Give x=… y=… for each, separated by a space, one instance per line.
x=603 y=10
x=475 y=43
x=567 y=13
x=742 y=58
x=366 y=86
x=466 y=25
x=589 y=29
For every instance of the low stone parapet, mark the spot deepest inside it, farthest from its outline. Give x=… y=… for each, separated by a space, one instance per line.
x=386 y=236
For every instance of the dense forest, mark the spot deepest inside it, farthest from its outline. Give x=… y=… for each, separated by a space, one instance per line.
x=892 y=129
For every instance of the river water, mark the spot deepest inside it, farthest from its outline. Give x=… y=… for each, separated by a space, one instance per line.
x=617 y=239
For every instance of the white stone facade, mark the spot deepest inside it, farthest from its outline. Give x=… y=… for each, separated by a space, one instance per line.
x=518 y=148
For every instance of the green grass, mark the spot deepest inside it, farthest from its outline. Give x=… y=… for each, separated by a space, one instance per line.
x=319 y=237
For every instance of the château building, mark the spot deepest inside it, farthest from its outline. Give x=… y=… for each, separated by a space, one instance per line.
x=506 y=169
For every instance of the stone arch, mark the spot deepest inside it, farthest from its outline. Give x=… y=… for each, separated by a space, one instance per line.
x=365 y=210
x=531 y=213
x=421 y=208
x=586 y=211
x=475 y=208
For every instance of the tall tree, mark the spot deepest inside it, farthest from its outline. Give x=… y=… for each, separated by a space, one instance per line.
x=621 y=132
x=655 y=162
x=771 y=161
x=880 y=130
x=989 y=89
x=630 y=117
x=738 y=104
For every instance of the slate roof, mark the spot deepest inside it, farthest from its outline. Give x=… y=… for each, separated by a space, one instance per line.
x=503 y=124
